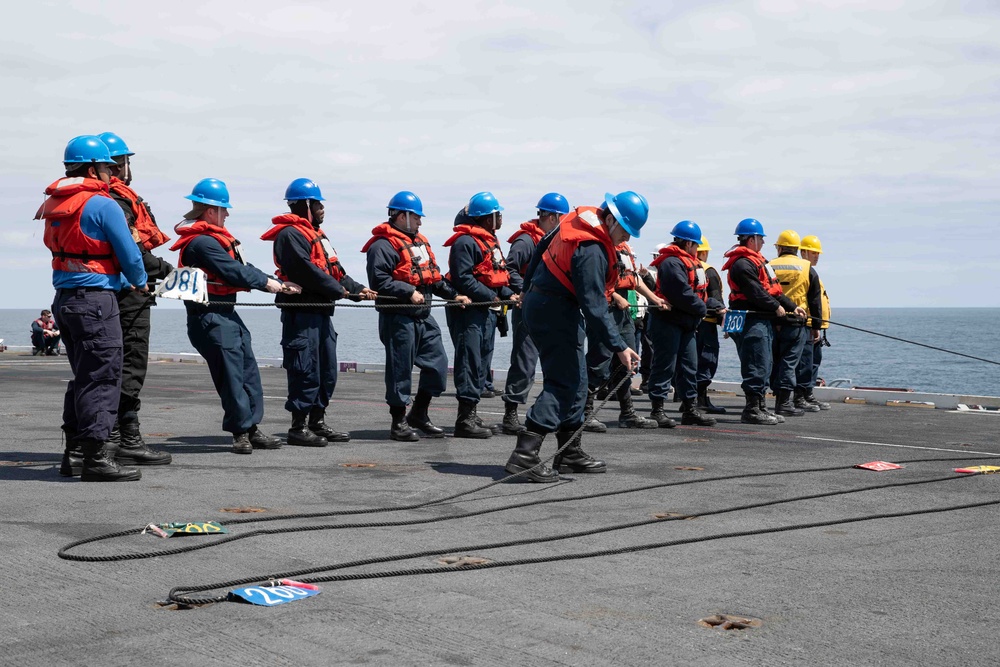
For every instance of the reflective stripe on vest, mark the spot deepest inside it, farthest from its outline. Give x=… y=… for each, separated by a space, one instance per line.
x=417 y=265
x=792 y=273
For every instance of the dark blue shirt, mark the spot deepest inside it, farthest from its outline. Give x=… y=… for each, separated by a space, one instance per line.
x=292 y=252
x=518 y=258
x=204 y=252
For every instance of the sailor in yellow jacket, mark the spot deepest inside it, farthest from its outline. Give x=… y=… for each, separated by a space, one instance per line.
x=807 y=372
x=799 y=283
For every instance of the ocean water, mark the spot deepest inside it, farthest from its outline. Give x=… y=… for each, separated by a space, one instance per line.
x=866 y=359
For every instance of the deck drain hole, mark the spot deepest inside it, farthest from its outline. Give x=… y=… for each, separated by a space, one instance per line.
x=730 y=622
x=687 y=468
x=357 y=465
x=243 y=510
x=461 y=561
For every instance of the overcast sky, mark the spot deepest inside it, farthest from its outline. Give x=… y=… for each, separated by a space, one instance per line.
x=872 y=124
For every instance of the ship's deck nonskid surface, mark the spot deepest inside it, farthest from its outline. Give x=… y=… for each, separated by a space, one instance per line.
x=905 y=591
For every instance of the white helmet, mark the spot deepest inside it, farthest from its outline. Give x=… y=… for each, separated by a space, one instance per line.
x=658 y=248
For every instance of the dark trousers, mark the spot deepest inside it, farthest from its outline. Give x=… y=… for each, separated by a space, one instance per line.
x=92 y=334
x=675 y=353
x=708 y=352
x=412 y=342
x=40 y=342
x=804 y=369
x=309 y=357
x=603 y=365
x=646 y=356
x=816 y=361
x=523 y=360
x=556 y=326
x=472 y=331
x=753 y=344
x=134 y=310
x=491 y=342
x=788 y=344
x=224 y=341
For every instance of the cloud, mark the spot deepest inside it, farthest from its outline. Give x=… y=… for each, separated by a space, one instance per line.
x=827 y=115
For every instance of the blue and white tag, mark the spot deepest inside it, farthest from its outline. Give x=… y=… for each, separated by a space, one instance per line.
x=733 y=321
x=269 y=596
x=186 y=284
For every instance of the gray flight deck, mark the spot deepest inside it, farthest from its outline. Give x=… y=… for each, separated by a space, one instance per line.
x=914 y=590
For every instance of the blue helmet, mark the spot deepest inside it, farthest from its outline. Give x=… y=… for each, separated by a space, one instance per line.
x=554 y=203
x=210 y=191
x=750 y=227
x=630 y=210
x=86 y=149
x=406 y=201
x=687 y=230
x=302 y=188
x=116 y=145
x=483 y=203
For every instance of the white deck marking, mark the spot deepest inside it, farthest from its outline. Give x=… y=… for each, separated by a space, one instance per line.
x=886 y=444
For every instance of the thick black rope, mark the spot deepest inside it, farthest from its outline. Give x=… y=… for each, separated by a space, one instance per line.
x=913 y=342
x=222 y=539
x=63 y=552
x=176 y=596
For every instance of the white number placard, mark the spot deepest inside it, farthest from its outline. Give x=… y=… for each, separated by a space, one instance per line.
x=186 y=284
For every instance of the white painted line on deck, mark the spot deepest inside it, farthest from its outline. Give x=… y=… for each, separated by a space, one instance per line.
x=886 y=444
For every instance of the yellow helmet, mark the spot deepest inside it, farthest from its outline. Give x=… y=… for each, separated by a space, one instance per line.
x=788 y=238
x=811 y=243
x=703 y=246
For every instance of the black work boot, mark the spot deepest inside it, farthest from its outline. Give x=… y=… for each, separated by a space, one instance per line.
x=317 y=424
x=762 y=404
x=511 y=425
x=99 y=467
x=114 y=440
x=133 y=450
x=465 y=424
x=812 y=400
x=573 y=458
x=783 y=404
x=260 y=441
x=419 y=419
x=400 y=429
x=754 y=414
x=241 y=444
x=659 y=415
x=495 y=429
x=592 y=424
x=692 y=416
x=525 y=457
x=705 y=403
x=802 y=404
x=302 y=436
x=72 y=460
x=628 y=418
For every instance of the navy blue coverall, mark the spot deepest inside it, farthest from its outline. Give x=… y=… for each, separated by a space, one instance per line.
x=219 y=335
x=411 y=336
x=708 y=333
x=673 y=332
x=472 y=329
x=308 y=338
x=559 y=322
x=753 y=344
x=523 y=354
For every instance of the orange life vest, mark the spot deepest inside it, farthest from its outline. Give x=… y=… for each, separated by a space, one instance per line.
x=48 y=326
x=580 y=225
x=695 y=273
x=72 y=250
x=321 y=251
x=417 y=265
x=189 y=230
x=492 y=270
x=627 y=277
x=145 y=231
x=530 y=228
x=737 y=299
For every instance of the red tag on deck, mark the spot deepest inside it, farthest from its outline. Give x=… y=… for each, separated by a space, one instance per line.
x=879 y=466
